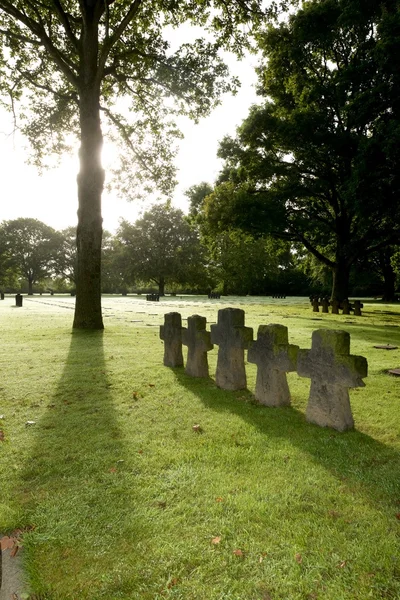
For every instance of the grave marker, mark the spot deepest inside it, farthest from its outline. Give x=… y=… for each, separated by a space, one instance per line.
x=232 y=338
x=171 y=334
x=274 y=357
x=198 y=341
x=332 y=370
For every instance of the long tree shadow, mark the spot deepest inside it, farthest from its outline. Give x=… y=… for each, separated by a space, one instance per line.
x=74 y=485
x=355 y=459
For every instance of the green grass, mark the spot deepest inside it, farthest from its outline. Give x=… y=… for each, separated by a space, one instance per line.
x=119 y=498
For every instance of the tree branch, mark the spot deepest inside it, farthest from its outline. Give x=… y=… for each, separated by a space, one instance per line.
x=63 y=17
x=37 y=29
x=121 y=128
x=113 y=39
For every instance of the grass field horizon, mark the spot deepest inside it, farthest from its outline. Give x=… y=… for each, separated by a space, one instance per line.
x=118 y=497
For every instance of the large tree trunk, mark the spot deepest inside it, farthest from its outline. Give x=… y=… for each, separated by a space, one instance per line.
x=30 y=286
x=340 y=284
x=90 y=186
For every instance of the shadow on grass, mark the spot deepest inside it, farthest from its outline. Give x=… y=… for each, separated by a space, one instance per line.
x=359 y=461
x=74 y=484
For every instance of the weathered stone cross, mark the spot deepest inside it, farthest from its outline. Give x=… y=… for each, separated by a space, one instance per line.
x=274 y=357
x=198 y=341
x=233 y=338
x=171 y=333
x=332 y=370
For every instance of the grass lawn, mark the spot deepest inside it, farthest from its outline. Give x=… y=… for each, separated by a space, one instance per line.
x=118 y=497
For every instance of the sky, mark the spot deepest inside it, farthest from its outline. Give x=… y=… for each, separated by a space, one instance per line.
x=52 y=196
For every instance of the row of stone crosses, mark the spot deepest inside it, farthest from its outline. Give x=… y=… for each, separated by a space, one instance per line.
x=329 y=364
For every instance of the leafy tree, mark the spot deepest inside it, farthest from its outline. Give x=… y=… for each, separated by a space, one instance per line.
x=66 y=62
x=115 y=273
x=241 y=263
x=31 y=248
x=317 y=163
x=66 y=258
x=163 y=248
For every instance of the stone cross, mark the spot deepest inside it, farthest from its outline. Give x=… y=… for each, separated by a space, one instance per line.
x=171 y=333
x=335 y=306
x=325 y=305
x=346 y=307
x=233 y=338
x=274 y=357
x=332 y=370
x=315 y=304
x=198 y=341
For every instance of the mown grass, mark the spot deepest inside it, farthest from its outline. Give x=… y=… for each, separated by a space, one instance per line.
x=120 y=498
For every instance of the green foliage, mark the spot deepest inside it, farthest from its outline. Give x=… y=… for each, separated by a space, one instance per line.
x=317 y=162
x=163 y=248
x=30 y=248
x=142 y=79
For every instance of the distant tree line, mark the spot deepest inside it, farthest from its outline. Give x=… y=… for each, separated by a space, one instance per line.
x=166 y=251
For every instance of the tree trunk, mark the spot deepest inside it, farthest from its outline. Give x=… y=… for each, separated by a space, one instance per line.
x=389 y=276
x=30 y=286
x=90 y=186
x=340 y=284
x=161 y=286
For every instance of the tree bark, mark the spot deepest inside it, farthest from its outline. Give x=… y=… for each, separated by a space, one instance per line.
x=90 y=187
x=161 y=286
x=340 y=284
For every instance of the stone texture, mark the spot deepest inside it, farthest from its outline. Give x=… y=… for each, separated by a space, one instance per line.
x=232 y=338
x=13 y=581
x=171 y=334
x=274 y=357
x=332 y=371
x=325 y=305
x=198 y=341
x=358 y=305
x=335 y=307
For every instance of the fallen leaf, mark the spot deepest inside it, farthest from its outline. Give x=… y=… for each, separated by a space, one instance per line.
x=398 y=516
x=140 y=451
x=112 y=470
x=197 y=428
x=219 y=499
x=216 y=540
x=152 y=385
x=135 y=395
x=1 y=436
x=7 y=542
x=298 y=558
x=342 y=564
x=173 y=582
x=238 y=552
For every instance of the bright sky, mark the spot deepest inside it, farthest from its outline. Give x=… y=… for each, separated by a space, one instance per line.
x=52 y=197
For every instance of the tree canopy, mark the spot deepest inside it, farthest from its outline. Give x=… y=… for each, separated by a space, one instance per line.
x=317 y=162
x=30 y=247
x=162 y=247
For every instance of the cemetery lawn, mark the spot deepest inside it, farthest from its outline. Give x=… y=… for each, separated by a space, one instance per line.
x=114 y=495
